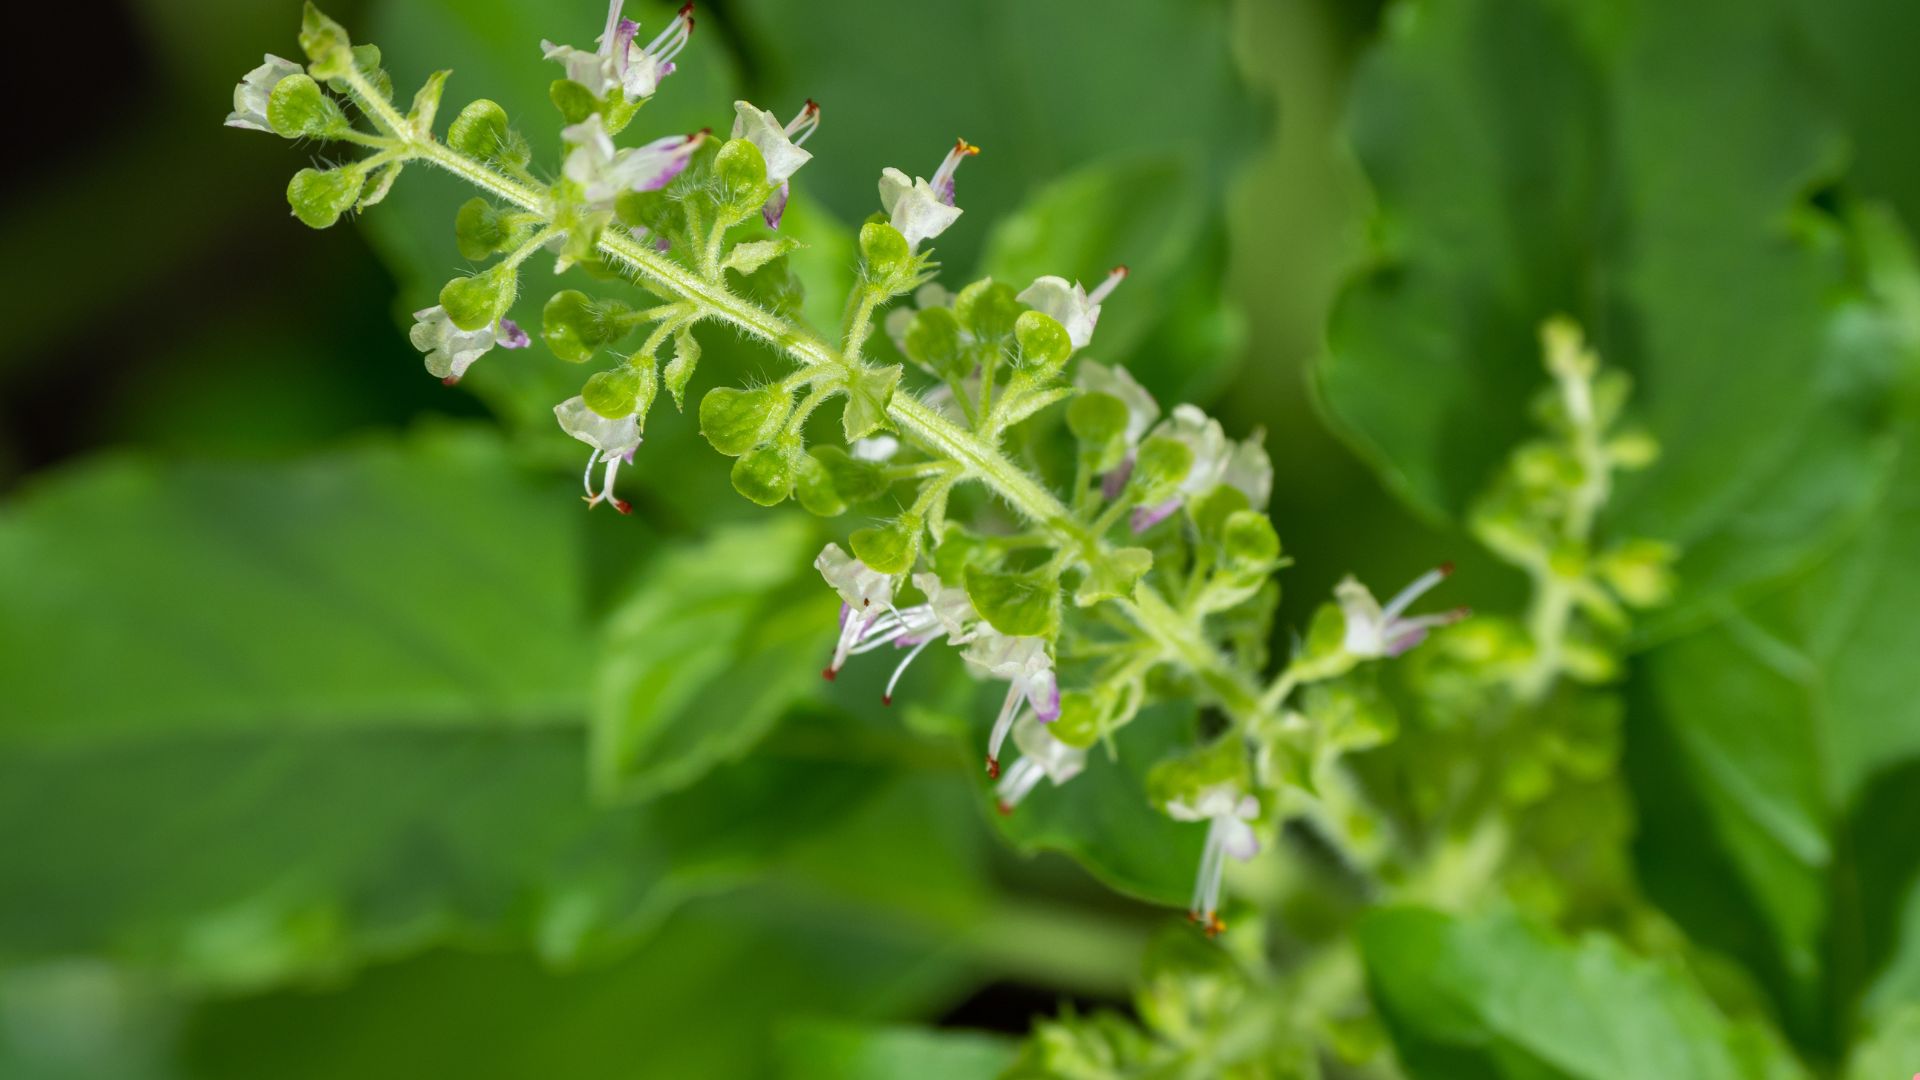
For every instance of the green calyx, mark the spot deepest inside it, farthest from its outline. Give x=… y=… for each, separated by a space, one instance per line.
x=482 y=299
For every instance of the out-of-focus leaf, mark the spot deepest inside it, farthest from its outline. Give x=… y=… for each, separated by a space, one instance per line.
x=1779 y=718
x=1104 y=819
x=1533 y=158
x=1496 y=997
x=254 y=858
x=1045 y=104
x=1141 y=212
x=839 y=1051
x=702 y=999
x=418 y=584
x=699 y=662
x=1889 y=1050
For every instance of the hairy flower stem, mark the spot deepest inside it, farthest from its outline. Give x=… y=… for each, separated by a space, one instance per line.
x=1179 y=636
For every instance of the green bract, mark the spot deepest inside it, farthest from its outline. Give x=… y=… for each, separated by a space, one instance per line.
x=575 y=326
x=298 y=109
x=319 y=197
x=736 y=421
x=483 y=299
x=1019 y=604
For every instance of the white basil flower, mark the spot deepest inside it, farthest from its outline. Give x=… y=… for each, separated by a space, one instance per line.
x=1216 y=461
x=923 y=209
x=250 y=97
x=1142 y=411
x=450 y=351
x=604 y=172
x=779 y=147
x=1028 y=670
x=1070 y=305
x=613 y=442
x=618 y=61
x=1042 y=757
x=1374 y=632
x=1229 y=813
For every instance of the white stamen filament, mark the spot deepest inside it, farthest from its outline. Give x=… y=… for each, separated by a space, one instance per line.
x=674 y=38
x=887 y=695
x=1114 y=278
x=586 y=478
x=804 y=124
x=1405 y=597
x=1009 y=712
x=1206 y=887
x=1020 y=779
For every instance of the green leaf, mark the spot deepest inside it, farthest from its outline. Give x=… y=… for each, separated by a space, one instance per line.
x=679 y=372
x=1736 y=289
x=1104 y=819
x=1774 y=726
x=250 y=593
x=868 y=393
x=1497 y=997
x=668 y=702
x=1018 y=604
x=843 y=1051
x=754 y=254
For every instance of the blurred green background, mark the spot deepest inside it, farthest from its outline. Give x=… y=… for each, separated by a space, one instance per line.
x=336 y=738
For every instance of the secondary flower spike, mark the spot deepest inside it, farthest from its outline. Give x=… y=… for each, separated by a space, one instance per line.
x=613 y=442
x=779 y=146
x=619 y=62
x=1374 y=631
x=923 y=209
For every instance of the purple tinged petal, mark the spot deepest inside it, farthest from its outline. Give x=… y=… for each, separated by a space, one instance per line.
x=1146 y=517
x=775 y=207
x=510 y=336
x=623 y=36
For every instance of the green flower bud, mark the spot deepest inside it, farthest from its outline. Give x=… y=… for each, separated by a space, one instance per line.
x=988 y=310
x=1113 y=575
x=889 y=548
x=376 y=189
x=329 y=52
x=1079 y=721
x=575 y=325
x=426 y=104
x=1641 y=571
x=830 y=481
x=754 y=254
x=1160 y=467
x=1326 y=639
x=742 y=172
x=483 y=299
x=736 y=421
x=574 y=101
x=483 y=230
x=1250 y=542
x=933 y=342
x=481 y=132
x=1044 y=345
x=1183 y=778
x=298 y=109
x=621 y=391
x=885 y=251
x=868 y=392
x=1211 y=511
x=686 y=356
x=1016 y=604
x=366 y=61
x=1634 y=449
x=767 y=475
x=1099 y=424
x=319 y=197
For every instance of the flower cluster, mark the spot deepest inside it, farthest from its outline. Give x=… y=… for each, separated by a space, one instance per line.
x=1148 y=579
